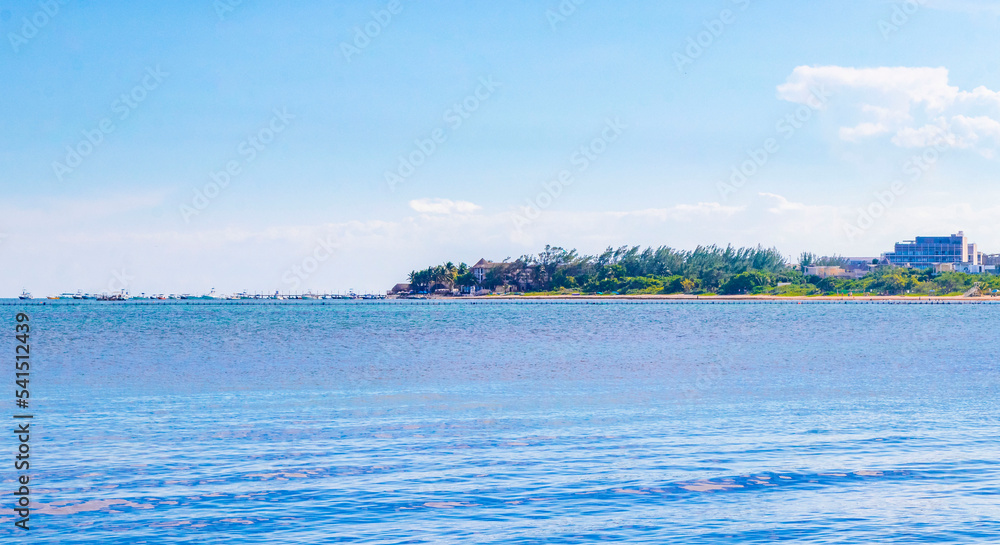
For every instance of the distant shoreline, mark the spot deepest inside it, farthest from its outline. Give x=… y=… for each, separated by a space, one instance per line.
x=540 y=299
x=906 y=298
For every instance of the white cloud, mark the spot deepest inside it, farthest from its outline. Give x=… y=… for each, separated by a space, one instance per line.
x=907 y=85
x=921 y=137
x=915 y=106
x=63 y=212
x=783 y=205
x=374 y=255
x=683 y=211
x=443 y=206
x=705 y=208
x=864 y=130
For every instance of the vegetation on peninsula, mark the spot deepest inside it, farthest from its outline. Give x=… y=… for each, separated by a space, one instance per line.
x=631 y=270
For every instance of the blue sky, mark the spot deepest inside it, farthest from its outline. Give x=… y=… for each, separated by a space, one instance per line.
x=203 y=83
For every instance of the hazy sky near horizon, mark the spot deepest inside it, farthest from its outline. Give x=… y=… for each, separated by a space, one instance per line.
x=366 y=139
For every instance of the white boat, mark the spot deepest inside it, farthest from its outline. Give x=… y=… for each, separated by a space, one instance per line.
x=24 y=295
x=210 y=295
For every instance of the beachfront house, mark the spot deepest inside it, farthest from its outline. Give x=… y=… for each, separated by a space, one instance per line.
x=481 y=269
x=400 y=289
x=857 y=267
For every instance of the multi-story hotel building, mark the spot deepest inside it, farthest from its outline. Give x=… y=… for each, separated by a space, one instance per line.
x=926 y=252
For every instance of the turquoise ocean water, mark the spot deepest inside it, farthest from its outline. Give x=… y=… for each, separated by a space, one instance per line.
x=398 y=422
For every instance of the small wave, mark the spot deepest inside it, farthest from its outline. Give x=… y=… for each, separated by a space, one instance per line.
x=768 y=479
x=91 y=505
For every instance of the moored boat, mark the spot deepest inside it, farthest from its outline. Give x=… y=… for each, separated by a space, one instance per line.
x=123 y=296
x=209 y=295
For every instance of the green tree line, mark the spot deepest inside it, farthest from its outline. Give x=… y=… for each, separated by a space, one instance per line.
x=704 y=270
